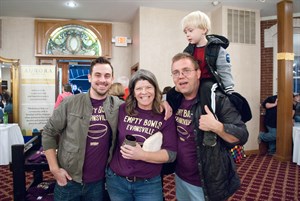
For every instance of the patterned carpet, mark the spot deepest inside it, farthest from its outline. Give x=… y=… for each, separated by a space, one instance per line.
x=263 y=178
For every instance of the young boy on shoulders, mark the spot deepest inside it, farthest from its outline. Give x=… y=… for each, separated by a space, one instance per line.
x=213 y=60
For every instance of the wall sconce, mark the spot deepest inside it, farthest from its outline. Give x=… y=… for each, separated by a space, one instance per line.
x=122 y=41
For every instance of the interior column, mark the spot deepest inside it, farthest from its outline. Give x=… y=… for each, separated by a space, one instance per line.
x=285 y=57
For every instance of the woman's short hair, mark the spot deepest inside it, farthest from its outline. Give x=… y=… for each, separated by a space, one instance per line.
x=67 y=88
x=196 y=19
x=117 y=89
x=131 y=102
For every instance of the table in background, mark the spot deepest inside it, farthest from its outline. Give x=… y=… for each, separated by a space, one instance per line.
x=9 y=134
x=296 y=140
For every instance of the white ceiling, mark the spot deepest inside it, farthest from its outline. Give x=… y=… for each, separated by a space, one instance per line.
x=123 y=10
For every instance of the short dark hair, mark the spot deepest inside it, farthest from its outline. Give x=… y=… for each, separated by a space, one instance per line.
x=166 y=89
x=101 y=60
x=67 y=88
x=6 y=97
x=185 y=55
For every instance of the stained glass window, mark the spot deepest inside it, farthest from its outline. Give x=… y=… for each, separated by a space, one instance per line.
x=73 y=40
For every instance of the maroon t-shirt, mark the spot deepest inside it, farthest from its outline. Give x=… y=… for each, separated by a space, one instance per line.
x=97 y=144
x=199 y=55
x=186 y=166
x=142 y=126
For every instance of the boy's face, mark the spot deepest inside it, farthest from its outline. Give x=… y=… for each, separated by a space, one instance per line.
x=195 y=35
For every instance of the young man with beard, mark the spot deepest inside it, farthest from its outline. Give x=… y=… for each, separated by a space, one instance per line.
x=83 y=130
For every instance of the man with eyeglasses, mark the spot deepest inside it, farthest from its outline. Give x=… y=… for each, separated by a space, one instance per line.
x=203 y=172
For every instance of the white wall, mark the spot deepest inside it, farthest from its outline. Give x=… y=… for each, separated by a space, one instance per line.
x=245 y=60
x=121 y=56
x=161 y=38
x=136 y=38
x=18 y=39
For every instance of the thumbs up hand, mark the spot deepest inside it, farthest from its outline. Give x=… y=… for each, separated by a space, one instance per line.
x=208 y=122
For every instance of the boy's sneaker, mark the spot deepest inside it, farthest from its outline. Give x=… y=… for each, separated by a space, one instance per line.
x=209 y=139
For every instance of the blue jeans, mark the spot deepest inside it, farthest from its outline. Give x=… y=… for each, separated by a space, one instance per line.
x=120 y=189
x=74 y=191
x=188 y=192
x=270 y=138
x=297 y=118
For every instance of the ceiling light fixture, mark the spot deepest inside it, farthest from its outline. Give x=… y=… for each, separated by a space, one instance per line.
x=71 y=4
x=215 y=3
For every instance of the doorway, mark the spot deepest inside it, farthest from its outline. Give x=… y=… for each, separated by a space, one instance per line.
x=74 y=72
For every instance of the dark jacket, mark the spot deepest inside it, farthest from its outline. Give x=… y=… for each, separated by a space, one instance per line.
x=212 y=39
x=215 y=164
x=271 y=113
x=218 y=63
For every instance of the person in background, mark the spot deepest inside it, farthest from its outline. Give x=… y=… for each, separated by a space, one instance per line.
x=166 y=89
x=66 y=91
x=86 y=125
x=270 y=121
x=75 y=89
x=1 y=109
x=1 y=104
x=203 y=172
x=117 y=89
x=124 y=81
x=7 y=103
x=80 y=89
x=134 y=173
x=296 y=107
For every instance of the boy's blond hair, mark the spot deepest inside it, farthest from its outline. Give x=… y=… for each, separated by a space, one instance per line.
x=196 y=19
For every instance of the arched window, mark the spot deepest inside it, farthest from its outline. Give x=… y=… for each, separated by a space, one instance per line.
x=73 y=40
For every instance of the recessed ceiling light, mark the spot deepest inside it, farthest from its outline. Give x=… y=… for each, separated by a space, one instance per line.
x=71 y=4
x=215 y=3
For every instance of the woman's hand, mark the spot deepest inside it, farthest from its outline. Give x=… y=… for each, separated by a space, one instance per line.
x=132 y=153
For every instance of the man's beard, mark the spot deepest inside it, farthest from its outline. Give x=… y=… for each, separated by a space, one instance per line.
x=100 y=93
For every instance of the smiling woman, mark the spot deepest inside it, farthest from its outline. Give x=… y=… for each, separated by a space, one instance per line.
x=140 y=117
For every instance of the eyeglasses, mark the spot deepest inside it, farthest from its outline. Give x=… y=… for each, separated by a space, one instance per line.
x=184 y=72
